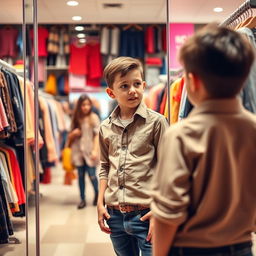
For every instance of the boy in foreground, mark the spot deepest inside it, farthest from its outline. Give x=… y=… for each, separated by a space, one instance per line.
x=129 y=141
x=204 y=194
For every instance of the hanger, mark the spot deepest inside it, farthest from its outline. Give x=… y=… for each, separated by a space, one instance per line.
x=138 y=27
x=8 y=27
x=110 y=26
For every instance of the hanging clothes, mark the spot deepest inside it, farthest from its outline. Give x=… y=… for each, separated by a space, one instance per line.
x=132 y=43
x=86 y=60
x=8 y=39
x=175 y=98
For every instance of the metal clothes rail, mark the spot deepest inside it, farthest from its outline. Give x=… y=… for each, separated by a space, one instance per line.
x=245 y=8
x=7 y=66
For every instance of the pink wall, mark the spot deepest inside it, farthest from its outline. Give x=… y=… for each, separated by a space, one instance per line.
x=178 y=34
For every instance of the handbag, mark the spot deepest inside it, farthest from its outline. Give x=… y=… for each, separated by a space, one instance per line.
x=66 y=160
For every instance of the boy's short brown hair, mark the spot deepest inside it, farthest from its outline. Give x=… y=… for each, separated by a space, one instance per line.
x=220 y=57
x=121 y=65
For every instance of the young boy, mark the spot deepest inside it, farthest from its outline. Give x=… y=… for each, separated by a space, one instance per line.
x=204 y=196
x=129 y=141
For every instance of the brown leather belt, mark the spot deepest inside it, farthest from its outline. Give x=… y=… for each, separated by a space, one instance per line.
x=125 y=208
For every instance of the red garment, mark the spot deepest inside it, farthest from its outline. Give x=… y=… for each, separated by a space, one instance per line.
x=154 y=61
x=86 y=60
x=47 y=176
x=78 y=60
x=150 y=40
x=164 y=44
x=8 y=39
x=42 y=41
x=17 y=180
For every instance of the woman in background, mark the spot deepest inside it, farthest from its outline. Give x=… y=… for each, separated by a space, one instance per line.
x=83 y=139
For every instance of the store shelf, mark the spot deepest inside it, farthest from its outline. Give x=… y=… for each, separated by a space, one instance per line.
x=57 y=68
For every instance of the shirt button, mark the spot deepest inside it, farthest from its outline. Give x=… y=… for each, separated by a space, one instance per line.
x=121 y=169
x=125 y=130
x=121 y=187
x=123 y=147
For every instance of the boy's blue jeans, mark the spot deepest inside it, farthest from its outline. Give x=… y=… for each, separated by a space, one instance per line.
x=81 y=179
x=129 y=233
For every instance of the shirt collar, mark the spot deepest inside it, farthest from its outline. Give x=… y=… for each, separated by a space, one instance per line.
x=233 y=105
x=141 y=111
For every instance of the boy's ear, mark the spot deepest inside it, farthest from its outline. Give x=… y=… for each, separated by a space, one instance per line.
x=144 y=85
x=110 y=93
x=194 y=82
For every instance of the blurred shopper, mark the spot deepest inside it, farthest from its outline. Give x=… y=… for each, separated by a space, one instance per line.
x=83 y=139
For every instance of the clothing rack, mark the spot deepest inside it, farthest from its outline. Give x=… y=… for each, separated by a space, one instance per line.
x=7 y=66
x=244 y=8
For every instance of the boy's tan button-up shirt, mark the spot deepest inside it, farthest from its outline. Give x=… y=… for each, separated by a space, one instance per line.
x=129 y=155
x=206 y=176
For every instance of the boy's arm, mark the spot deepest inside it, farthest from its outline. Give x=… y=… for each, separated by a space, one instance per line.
x=171 y=189
x=163 y=237
x=104 y=169
x=160 y=128
x=102 y=211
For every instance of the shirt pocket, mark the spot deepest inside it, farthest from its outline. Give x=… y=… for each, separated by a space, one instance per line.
x=140 y=144
x=113 y=144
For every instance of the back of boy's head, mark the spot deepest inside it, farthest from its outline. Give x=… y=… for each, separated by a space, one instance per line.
x=220 y=57
x=121 y=65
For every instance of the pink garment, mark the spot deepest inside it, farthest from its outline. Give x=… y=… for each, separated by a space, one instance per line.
x=76 y=81
x=3 y=118
x=41 y=70
x=8 y=46
x=49 y=139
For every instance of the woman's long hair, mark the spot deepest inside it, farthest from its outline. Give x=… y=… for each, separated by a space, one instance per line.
x=78 y=114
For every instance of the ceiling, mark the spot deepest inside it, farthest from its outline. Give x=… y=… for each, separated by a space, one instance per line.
x=132 y=11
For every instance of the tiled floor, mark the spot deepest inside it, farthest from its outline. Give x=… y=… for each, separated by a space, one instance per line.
x=64 y=230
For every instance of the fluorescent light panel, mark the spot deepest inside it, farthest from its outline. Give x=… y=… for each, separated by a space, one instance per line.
x=218 y=9
x=76 y=18
x=72 y=3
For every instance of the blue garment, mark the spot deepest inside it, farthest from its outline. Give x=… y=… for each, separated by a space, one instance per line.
x=248 y=93
x=17 y=105
x=81 y=179
x=128 y=233
x=61 y=85
x=132 y=43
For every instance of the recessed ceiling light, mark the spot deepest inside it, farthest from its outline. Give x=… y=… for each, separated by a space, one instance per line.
x=218 y=9
x=79 y=28
x=76 y=18
x=81 y=35
x=83 y=40
x=72 y=3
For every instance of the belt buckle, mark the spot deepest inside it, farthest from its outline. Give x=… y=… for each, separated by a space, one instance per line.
x=122 y=208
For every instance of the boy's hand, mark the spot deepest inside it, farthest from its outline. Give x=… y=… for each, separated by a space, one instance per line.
x=151 y=224
x=102 y=216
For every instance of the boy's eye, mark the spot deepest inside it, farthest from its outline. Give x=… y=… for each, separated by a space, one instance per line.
x=137 y=84
x=123 y=86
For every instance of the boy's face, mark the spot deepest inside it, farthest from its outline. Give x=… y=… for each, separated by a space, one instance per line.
x=128 y=90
